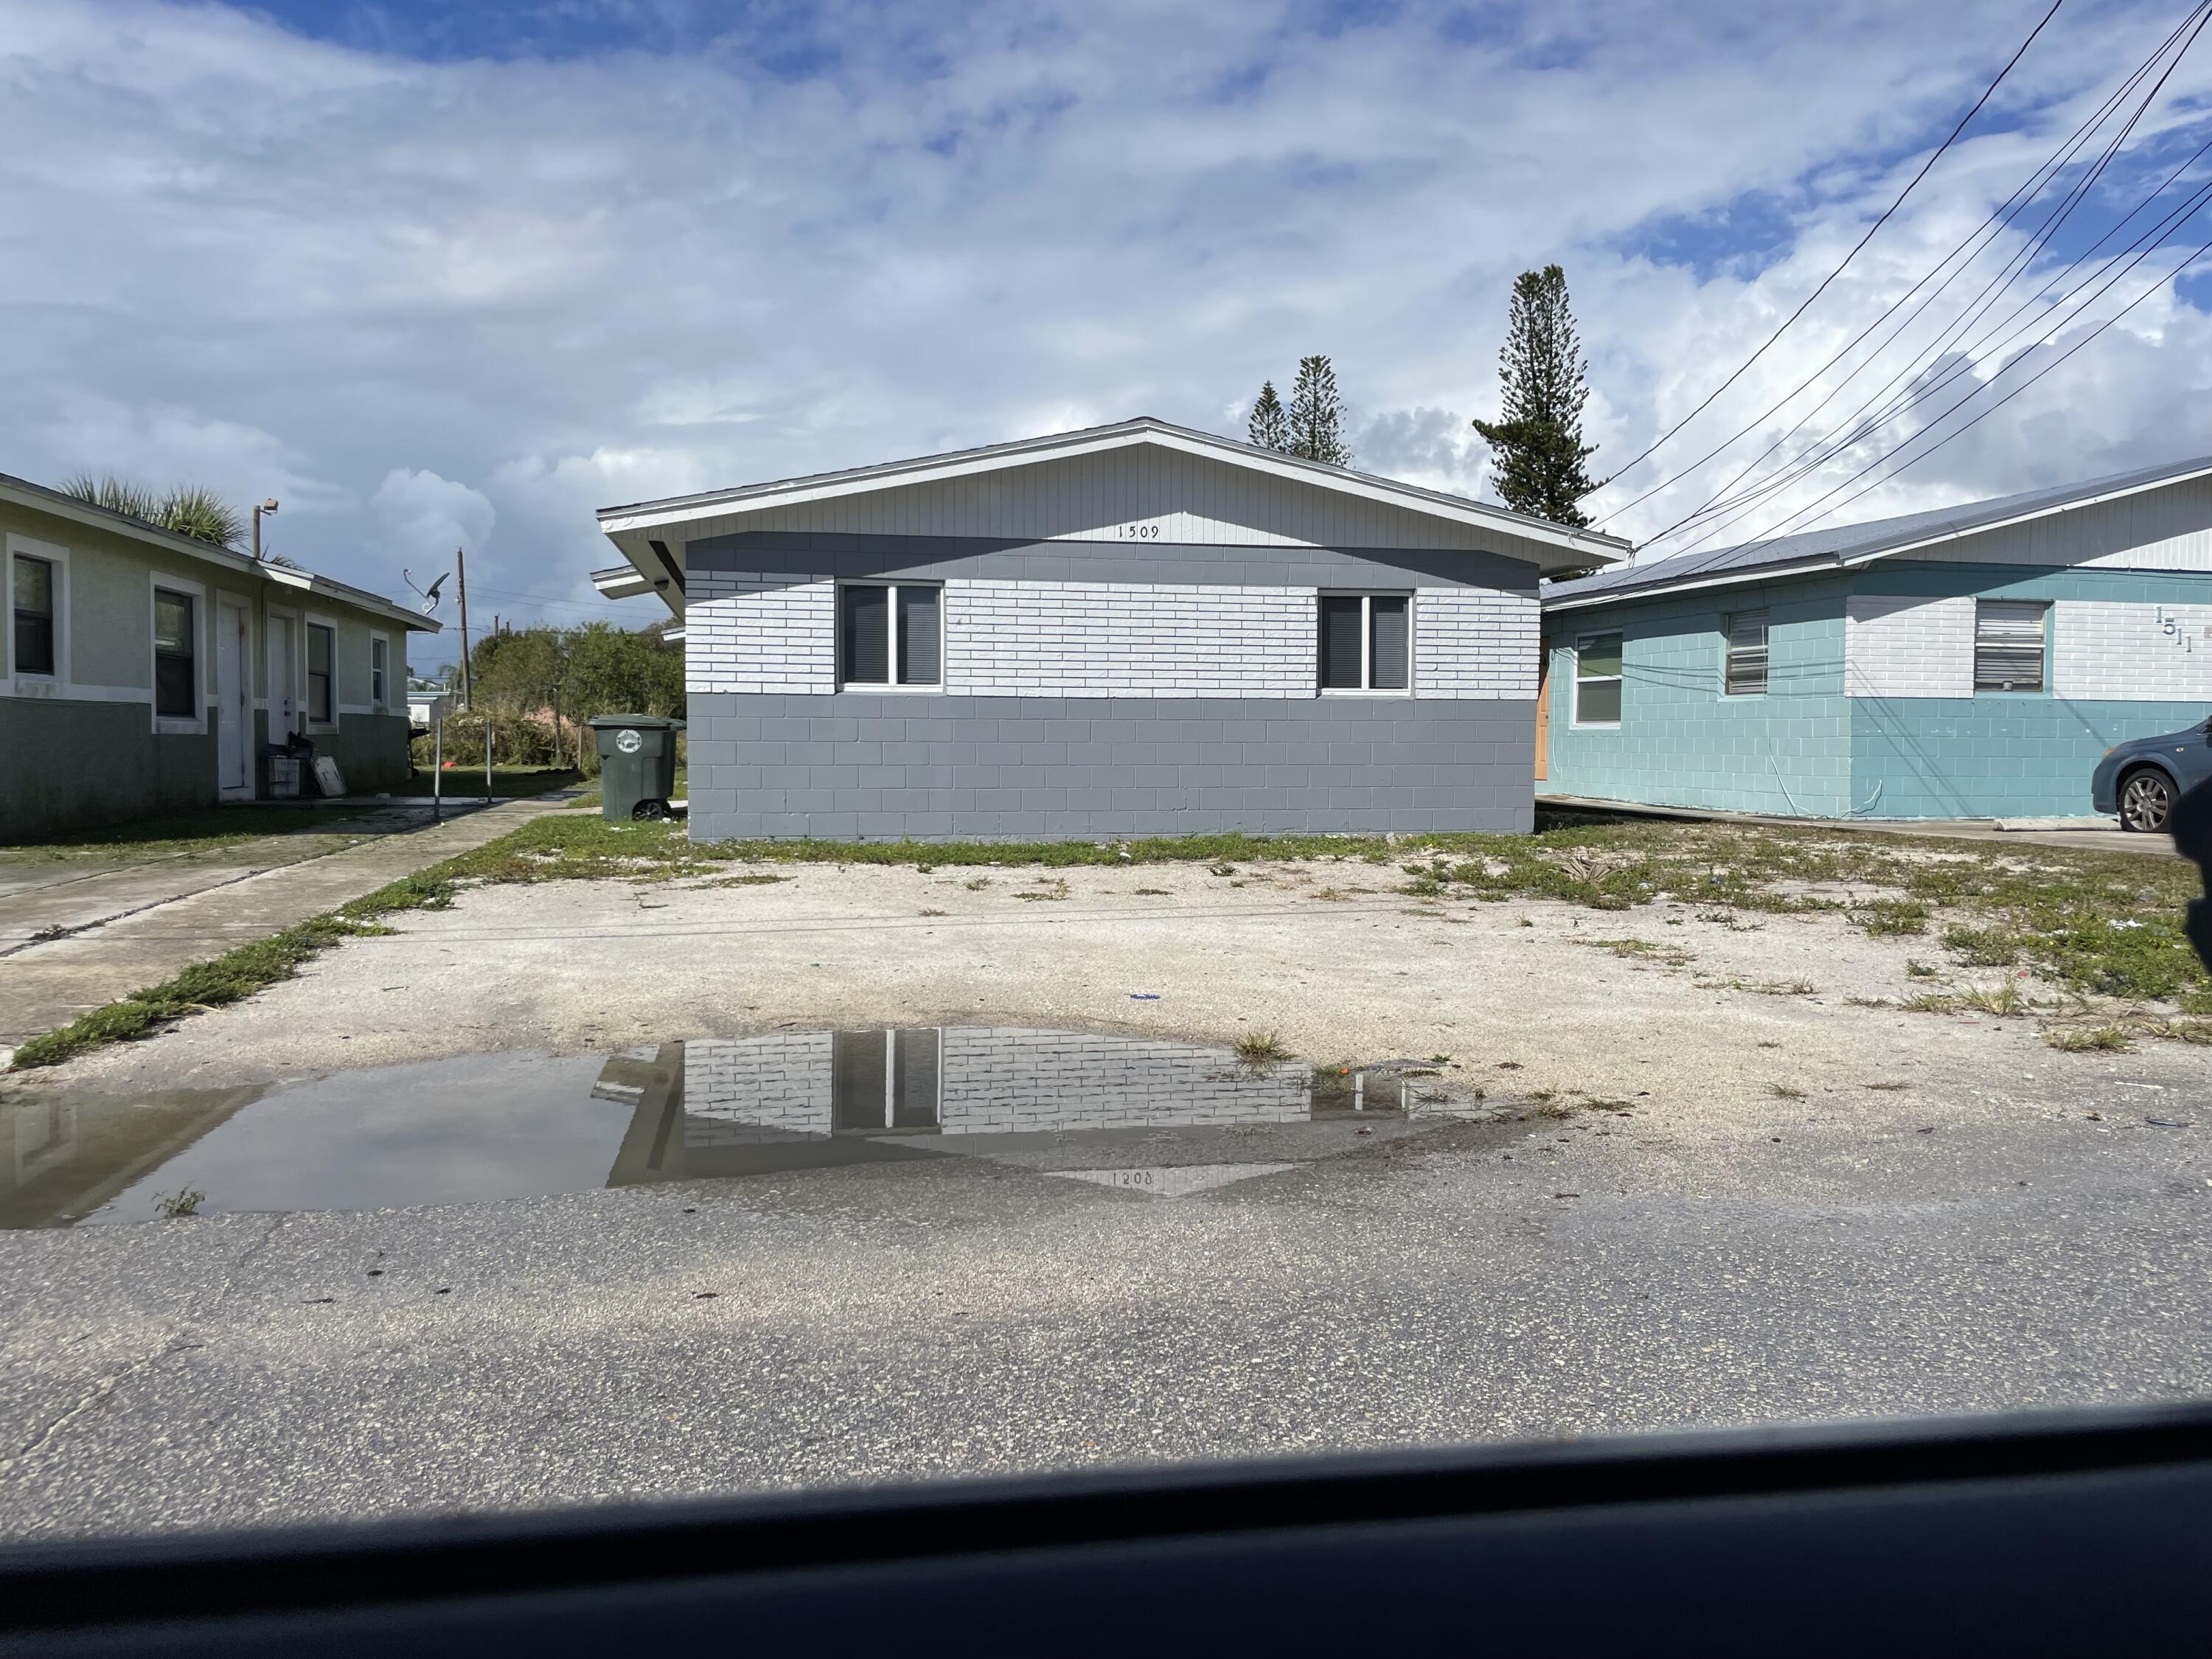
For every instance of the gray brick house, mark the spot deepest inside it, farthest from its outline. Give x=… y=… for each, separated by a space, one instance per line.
x=1135 y=629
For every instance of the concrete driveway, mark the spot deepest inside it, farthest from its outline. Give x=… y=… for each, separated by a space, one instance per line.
x=77 y=934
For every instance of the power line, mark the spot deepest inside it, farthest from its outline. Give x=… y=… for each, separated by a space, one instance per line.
x=2158 y=287
x=1852 y=429
x=1727 y=499
x=1987 y=92
x=2003 y=213
x=1784 y=527
x=1992 y=226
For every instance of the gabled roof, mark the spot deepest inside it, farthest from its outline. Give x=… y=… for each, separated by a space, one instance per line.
x=1587 y=546
x=1845 y=544
x=23 y=493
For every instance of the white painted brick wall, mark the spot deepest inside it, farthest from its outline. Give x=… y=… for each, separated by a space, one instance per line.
x=752 y=1089
x=1474 y=643
x=2131 y=652
x=757 y=630
x=763 y=631
x=1908 y=647
x=1005 y=639
x=1005 y=1079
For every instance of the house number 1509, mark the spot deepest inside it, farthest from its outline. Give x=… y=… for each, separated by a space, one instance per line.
x=1137 y=532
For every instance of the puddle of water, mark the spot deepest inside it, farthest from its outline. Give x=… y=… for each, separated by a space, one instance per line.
x=519 y=1125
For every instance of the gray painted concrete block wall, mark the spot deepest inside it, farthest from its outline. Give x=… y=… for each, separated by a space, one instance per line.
x=856 y=765
x=890 y=766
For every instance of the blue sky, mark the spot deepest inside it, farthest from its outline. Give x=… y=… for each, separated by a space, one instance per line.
x=441 y=275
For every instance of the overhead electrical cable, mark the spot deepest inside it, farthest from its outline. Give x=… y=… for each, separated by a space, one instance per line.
x=1729 y=495
x=1855 y=428
x=1988 y=91
x=2002 y=215
x=2158 y=287
x=1791 y=526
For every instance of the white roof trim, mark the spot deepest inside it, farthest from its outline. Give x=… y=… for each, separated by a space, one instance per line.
x=40 y=499
x=930 y=469
x=1814 y=563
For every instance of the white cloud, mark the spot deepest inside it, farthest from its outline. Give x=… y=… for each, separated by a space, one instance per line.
x=427 y=517
x=432 y=299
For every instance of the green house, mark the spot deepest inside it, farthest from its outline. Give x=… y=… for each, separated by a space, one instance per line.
x=1974 y=661
x=144 y=670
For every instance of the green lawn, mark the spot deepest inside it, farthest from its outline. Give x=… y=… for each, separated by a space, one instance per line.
x=171 y=834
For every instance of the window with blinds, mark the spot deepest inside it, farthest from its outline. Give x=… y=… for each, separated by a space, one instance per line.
x=1746 y=654
x=1366 y=641
x=2008 y=644
x=891 y=633
x=1597 y=680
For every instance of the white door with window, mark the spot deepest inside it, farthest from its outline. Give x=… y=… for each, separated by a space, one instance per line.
x=234 y=694
x=283 y=690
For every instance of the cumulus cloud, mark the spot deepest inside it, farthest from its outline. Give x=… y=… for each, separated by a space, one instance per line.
x=440 y=295
x=430 y=516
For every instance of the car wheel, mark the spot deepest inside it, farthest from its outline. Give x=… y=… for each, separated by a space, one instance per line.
x=2146 y=801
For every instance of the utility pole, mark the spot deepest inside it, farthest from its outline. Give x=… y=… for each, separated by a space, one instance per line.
x=461 y=570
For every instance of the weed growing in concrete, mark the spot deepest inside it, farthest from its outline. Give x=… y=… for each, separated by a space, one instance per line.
x=1784 y=1091
x=1917 y=969
x=1892 y=917
x=2091 y=1039
x=1262 y=1048
x=185 y=1201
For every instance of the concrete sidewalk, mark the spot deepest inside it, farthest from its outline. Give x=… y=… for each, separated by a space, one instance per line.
x=136 y=925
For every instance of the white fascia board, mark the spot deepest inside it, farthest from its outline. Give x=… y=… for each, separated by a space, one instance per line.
x=650 y=578
x=623 y=581
x=39 y=500
x=1587 y=545
x=1723 y=579
x=2054 y=510
x=306 y=581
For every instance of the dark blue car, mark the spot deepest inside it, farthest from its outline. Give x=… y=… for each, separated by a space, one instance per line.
x=2141 y=778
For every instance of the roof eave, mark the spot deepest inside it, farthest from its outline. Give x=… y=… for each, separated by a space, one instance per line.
x=1585 y=544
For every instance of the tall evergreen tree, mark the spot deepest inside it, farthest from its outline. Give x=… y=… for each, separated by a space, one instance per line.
x=1316 y=421
x=1536 y=446
x=1269 y=428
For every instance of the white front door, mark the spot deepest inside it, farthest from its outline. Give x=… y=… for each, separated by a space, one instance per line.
x=234 y=702
x=283 y=697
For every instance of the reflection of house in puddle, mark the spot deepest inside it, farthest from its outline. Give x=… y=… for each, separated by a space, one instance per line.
x=721 y=1107
x=65 y=1157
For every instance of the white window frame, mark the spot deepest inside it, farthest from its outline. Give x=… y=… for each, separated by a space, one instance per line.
x=2042 y=687
x=177 y=725
x=379 y=698
x=1575 y=681
x=307 y=721
x=1766 y=651
x=14 y=683
x=892 y=639
x=1367 y=596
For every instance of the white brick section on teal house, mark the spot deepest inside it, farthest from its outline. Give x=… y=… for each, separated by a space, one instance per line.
x=1136 y=629
x=1970 y=662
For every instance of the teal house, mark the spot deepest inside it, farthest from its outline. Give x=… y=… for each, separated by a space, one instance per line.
x=1974 y=661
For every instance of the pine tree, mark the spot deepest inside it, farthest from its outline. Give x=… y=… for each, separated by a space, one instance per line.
x=1536 y=447
x=1268 y=430
x=1317 y=420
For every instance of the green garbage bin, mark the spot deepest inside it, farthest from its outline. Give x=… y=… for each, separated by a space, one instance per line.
x=637 y=764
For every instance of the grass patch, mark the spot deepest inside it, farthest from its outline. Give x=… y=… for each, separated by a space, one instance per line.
x=1641 y=950
x=1262 y=1048
x=1892 y=917
x=1982 y=947
x=2089 y=1039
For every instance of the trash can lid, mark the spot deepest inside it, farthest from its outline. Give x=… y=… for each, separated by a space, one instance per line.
x=635 y=722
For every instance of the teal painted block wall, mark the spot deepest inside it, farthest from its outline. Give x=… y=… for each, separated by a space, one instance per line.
x=1681 y=741
x=1999 y=755
x=1807 y=748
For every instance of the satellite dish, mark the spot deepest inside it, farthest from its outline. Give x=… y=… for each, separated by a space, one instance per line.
x=430 y=599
